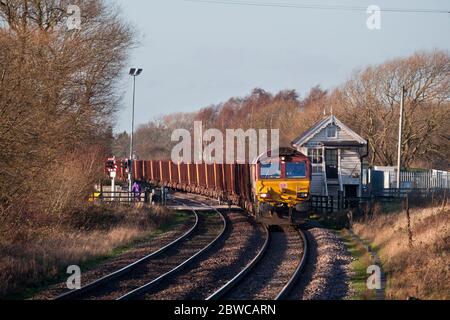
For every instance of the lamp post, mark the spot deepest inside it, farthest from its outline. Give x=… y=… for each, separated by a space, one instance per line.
x=134 y=72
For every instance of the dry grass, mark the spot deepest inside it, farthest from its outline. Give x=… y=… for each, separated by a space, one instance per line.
x=38 y=253
x=422 y=271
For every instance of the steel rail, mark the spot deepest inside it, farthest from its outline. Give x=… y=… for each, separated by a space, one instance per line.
x=238 y=278
x=222 y=292
x=149 y=286
x=72 y=295
x=300 y=268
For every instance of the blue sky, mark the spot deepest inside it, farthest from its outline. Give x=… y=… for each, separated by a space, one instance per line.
x=196 y=54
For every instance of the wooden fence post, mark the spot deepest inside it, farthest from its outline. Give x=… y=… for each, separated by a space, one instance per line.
x=408 y=217
x=350 y=219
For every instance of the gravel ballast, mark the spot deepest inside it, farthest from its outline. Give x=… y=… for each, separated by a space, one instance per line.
x=328 y=271
x=274 y=270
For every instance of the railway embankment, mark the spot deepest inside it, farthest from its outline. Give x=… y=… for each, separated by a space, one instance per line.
x=414 y=252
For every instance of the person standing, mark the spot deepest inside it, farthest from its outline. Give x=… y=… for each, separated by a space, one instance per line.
x=136 y=189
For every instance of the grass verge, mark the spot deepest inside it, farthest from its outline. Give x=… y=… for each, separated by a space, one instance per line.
x=40 y=256
x=361 y=261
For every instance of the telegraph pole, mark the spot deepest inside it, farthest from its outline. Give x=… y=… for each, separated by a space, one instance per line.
x=400 y=138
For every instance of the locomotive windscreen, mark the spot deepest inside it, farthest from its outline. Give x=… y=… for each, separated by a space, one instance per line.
x=296 y=170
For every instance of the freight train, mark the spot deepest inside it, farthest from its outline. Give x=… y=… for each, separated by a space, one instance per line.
x=261 y=188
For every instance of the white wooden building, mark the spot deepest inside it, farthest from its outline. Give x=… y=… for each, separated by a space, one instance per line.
x=336 y=154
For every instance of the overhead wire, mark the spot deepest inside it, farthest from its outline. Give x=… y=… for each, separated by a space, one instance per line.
x=317 y=6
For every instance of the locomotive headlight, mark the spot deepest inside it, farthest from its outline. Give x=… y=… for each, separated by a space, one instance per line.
x=303 y=195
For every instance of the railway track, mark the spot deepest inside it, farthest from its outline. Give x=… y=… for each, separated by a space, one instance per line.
x=242 y=241
x=272 y=274
x=269 y=276
x=274 y=271
x=140 y=276
x=141 y=291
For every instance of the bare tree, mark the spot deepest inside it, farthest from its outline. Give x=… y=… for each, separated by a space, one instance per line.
x=370 y=103
x=58 y=89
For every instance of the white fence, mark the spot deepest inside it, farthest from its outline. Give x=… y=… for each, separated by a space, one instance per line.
x=382 y=182
x=432 y=179
x=421 y=180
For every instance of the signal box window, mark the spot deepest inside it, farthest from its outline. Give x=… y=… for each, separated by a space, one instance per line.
x=332 y=132
x=316 y=157
x=270 y=170
x=296 y=170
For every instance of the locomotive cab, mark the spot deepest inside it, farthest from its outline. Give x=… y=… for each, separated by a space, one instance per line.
x=283 y=182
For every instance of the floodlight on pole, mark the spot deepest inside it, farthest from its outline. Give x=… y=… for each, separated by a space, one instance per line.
x=134 y=72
